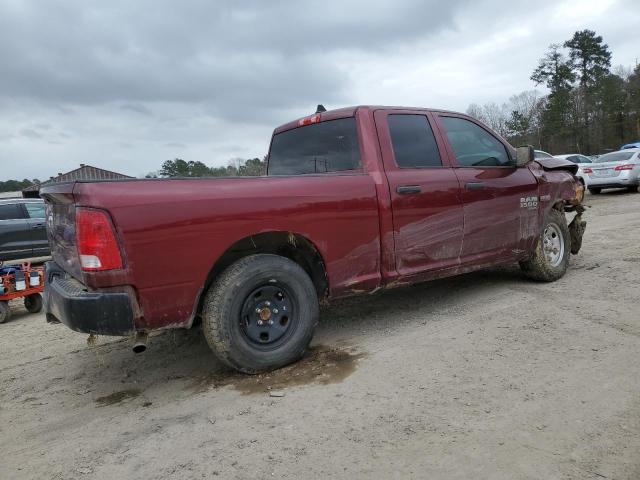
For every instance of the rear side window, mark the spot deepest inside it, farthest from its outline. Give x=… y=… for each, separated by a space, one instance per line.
x=474 y=146
x=10 y=212
x=330 y=146
x=35 y=210
x=615 y=157
x=414 y=144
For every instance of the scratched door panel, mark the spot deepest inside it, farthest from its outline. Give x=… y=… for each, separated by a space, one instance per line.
x=427 y=209
x=492 y=190
x=496 y=219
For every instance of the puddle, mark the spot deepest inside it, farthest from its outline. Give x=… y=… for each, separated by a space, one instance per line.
x=117 y=397
x=321 y=365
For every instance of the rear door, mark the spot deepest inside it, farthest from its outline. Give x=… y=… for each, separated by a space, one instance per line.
x=500 y=200
x=15 y=234
x=36 y=221
x=427 y=209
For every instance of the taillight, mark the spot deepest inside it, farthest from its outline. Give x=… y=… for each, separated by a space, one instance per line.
x=628 y=166
x=97 y=244
x=588 y=170
x=309 y=120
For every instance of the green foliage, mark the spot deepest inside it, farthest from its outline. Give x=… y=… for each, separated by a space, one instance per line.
x=236 y=167
x=588 y=109
x=590 y=58
x=16 y=185
x=554 y=70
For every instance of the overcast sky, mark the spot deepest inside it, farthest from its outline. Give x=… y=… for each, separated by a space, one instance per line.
x=125 y=85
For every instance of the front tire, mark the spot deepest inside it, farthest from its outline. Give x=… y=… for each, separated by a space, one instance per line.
x=551 y=257
x=594 y=190
x=260 y=314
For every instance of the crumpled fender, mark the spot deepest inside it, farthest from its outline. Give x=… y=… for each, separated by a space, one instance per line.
x=551 y=164
x=559 y=188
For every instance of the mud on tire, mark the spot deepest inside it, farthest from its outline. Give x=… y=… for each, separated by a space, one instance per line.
x=260 y=313
x=550 y=259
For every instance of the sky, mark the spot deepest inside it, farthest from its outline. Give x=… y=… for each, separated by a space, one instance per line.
x=125 y=85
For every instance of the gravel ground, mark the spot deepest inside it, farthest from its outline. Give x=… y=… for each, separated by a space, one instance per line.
x=486 y=376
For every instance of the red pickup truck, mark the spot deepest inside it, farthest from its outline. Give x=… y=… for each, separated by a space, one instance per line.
x=354 y=200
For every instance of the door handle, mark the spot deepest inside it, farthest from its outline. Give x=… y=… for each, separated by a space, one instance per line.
x=408 y=189
x=474 y=186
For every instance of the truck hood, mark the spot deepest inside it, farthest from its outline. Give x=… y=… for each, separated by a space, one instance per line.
x=551 y=164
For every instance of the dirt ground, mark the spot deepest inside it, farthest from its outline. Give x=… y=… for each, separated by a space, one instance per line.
x=484 y=376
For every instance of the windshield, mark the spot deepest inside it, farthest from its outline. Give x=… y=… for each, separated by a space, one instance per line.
x=616 y=157
x=540 y=154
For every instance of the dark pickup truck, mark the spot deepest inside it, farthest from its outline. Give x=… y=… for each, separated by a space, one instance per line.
x=22 y=230
x=354 y=200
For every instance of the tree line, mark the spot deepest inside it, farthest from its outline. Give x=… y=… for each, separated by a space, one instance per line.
x=16 y=185
x=178 y=167
x=589 y=108
x=236 y=167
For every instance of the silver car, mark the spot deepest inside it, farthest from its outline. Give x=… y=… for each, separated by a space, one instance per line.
x=615 y=170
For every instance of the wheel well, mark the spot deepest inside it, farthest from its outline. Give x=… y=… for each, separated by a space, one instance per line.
x=286 y=244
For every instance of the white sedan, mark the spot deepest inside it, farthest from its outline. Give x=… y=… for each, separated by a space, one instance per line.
x=615 y=170
x=583 y=162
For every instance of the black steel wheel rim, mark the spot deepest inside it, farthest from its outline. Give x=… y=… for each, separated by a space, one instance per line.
x=267 y=317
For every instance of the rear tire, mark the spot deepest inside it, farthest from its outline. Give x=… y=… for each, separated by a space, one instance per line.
x=594 y=190
x=551 y=257
x=33 y=303
x=5 y=312
x=260 y=314
x=633 y=189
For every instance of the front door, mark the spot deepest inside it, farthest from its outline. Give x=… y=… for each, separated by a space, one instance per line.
x=500 y=200
x=427 y=209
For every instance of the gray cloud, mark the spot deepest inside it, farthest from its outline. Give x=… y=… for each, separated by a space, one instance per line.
x=30 y=133
x=233 y=56
x=136 y=107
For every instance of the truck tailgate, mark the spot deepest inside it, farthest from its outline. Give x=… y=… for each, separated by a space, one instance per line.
x=61 y=227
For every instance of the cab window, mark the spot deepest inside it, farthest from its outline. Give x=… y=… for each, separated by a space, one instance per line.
x=473 y=146
x=414 y=145
x=330 y=146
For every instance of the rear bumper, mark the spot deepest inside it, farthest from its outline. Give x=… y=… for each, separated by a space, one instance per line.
x=68 y=301
x=625 y=179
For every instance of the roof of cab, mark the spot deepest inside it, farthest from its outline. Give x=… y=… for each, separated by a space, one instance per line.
x=350 y=112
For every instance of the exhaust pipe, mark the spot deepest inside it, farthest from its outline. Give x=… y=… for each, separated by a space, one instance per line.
x=140 y=342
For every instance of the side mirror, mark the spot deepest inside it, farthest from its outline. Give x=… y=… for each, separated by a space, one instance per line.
x=524 y=155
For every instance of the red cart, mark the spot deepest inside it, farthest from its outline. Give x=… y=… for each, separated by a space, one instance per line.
x=13 y=285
